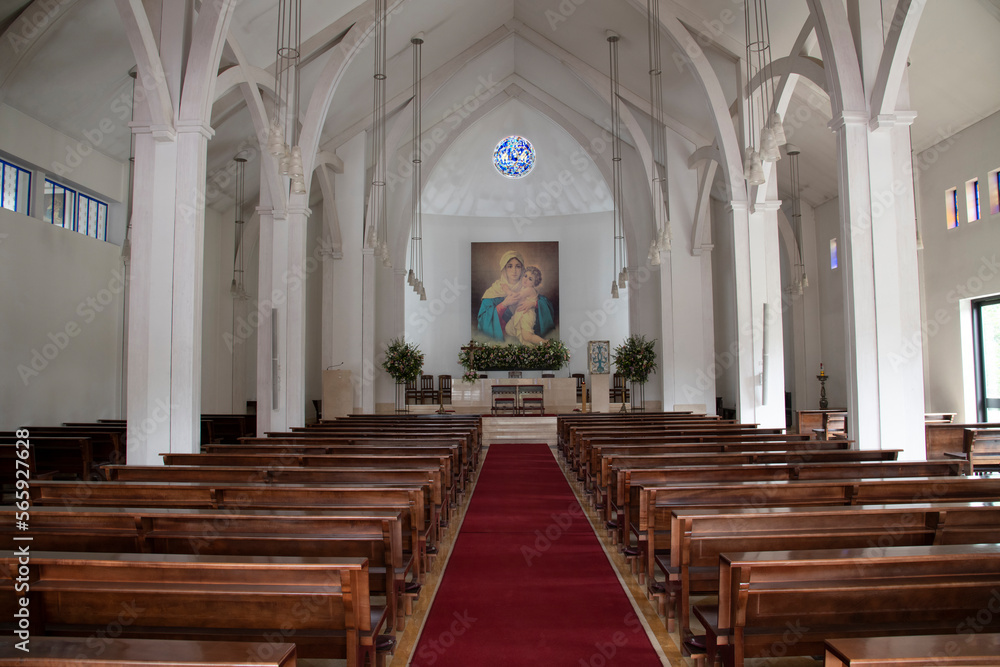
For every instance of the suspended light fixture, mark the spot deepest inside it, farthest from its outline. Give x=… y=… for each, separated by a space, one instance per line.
x=765 y=131
x=416 y=274
x=800 y=280
x=127 y=243
x=616 y=169
x=283 y=137
x=237 y=289
x=660 y=186
x=375 y=235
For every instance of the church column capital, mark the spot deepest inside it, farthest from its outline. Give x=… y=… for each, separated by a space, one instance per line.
x=887 y=121
x=161 y=133
x=330 y=253
x=195 y=127
x=848 y=119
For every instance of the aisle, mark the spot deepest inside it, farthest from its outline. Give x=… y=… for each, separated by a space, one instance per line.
x=527 y=582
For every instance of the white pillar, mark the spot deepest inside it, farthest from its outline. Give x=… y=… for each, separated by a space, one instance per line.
x=188 y=289
x=329 y=255
x=368 y=330
x=265 y=302
x=293 y=325
x=856 y=250
x=151 y=295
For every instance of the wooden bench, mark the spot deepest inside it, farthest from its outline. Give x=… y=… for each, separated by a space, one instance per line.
x=107 y=440
x=939 y=417
x=698 y=537
x=55 y=457
x=320 y=604
x=410 y=499
x=942 y=438
x=373 y=534
x=122 y=652
x=980 y=447
x=969 y=650
x=775 y=603
x=656 y=504
x=629 y=481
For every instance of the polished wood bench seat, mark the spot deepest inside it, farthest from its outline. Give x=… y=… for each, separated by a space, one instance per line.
x=122 y=652
x=775 y=603
x=968 y=650
x=980 y=447
x=374 y=534
x=320 y=604
x=699 y=537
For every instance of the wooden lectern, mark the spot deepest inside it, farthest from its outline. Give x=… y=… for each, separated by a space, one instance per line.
x=338 y=394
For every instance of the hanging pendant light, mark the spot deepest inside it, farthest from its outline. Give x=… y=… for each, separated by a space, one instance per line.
x=283 y=130
x=660 y=186
x=618 y=227
x=756 y=175
x=236 y=288
x=762 y=124
x=416 y=222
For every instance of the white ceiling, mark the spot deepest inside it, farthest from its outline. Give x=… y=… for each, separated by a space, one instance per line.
x=75 y=75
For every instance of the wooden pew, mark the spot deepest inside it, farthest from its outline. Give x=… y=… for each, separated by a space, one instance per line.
x=941 y=438
x=789 y=602
x=417 y=534
x=698 y=537
x=321 y=604
x=458 y=472
x=56 y=457
x=968 y=650
x=629 y=481
x=438 y=496
x=107 y=440
x=657 y=503
x=374 y=534
x=121 y=652
x=980 y=447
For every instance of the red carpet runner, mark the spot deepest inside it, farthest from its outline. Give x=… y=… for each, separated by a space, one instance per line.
x=528 y=582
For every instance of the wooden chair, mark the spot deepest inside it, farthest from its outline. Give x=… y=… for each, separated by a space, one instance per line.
x=619 y=389
x=548 y=375
x=579 y=386
x=504 y=398
x=834 y=426
x=939 y=417
x=428 y=394
x=444 y=388
x=532 y=398
x=412 y=393
x=514 y=374
x=318 y=406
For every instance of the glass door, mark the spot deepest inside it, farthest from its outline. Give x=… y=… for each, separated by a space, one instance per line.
x=986 y=325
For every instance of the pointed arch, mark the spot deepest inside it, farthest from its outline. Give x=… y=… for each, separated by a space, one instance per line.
x=892 y=66
x=147 y=56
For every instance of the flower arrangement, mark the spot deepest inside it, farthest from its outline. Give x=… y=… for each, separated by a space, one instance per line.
x=550 y=355
x=403 y=361
x=635 y=358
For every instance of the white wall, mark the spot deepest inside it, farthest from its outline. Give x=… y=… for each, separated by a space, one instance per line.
x=217 y=315
x=60 y=334
x=958 y=264
x=831 y=296
x=443 y=324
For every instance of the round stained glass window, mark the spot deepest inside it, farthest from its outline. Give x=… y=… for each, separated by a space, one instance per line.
x=514 y=157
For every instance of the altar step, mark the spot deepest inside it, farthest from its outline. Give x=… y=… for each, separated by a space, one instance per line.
x=519 y=429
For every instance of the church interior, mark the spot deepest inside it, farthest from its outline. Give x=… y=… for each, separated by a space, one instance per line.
x=221 y=219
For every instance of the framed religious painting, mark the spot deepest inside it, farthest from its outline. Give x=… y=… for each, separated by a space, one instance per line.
x=515 y=292
x=599 y=357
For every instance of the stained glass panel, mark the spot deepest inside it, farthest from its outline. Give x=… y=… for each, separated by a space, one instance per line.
x=514 y=157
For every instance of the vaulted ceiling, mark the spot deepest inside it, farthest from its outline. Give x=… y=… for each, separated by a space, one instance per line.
x=71 y=73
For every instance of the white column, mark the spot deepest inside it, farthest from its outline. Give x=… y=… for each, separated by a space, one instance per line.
x=293 y=325
x=151 y=295
x=265 y=302
x=894 y=241
x=668 y=367
x=767 y=280
x=857 y=255
x=368 y=330
x=188 y=291
x=746 y=401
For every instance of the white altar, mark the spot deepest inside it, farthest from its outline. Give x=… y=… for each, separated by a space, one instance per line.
x=559 y=393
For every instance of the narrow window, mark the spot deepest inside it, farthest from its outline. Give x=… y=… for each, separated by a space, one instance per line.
x=951 y=207
x=972 y=199
x=15 y=187
x=834 y=263
x=995 y=191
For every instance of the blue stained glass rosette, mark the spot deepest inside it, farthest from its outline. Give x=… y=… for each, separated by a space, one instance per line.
x=514 y=157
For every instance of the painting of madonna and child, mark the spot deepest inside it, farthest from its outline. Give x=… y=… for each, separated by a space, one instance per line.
x=515 y=292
